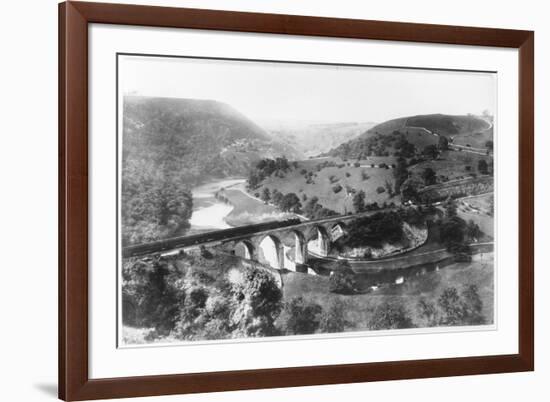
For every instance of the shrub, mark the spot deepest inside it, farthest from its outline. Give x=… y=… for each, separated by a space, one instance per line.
x=259 y=303
x=390 y=315
x=334 y=319
x=300 y=317
x=337 y=188
x=342 y=280
x=380 y=190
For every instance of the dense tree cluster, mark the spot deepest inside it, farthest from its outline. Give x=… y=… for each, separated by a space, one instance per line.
x=342 y=280
x=453 y=308
x=403 y=147
x=390 y=315
x=191 y=304
x=156 y=204
x=374 y=230
x=443 y=143
x=301 y=316
x=289 y=202
x=429 y=176
x=456 y=233
x=265 y=168
x=314 y=210
x=483 y=166
x=400 y=174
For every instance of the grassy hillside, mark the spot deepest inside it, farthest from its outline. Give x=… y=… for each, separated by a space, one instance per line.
x=448 y=125
x=381 y=140
x=324 y=180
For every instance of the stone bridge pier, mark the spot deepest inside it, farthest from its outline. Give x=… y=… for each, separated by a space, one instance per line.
x=274 y=247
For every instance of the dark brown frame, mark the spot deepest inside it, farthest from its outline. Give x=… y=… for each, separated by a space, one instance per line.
x=74 y=17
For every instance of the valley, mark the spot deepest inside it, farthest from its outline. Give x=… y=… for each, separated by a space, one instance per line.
x=345 y=215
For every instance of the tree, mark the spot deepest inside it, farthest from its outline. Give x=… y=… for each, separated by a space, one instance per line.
x=410 y=188
x=342 y=280
x=482 y=166
x=359 y=201
x=389 y=187
x=489 y=145
x=259 y=303
x=452 y=308
x=148 y=299
x=334 y=318
x=156 y=206
x=463 y=309
x=431 y=151
x=443 y=143
x=300 y=317
x=451 y=230
x=449 y=303
x=390 y=315
x=472 y=306
x=400 y=173
x=266 y=195
x=290 y=203
x=276 y=197
x=428 y=312
x=473 y=232
x=450 y=207
x=311 y=206
x=429 y=176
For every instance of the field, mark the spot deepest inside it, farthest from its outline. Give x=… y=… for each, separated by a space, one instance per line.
x=451 y=165
x=429 y=286
x=324 y=182
x=476 y=139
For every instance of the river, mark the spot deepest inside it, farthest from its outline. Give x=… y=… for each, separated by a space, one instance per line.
x=208 y=212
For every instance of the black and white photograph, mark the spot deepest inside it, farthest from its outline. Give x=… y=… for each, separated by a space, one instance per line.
x=263 y=199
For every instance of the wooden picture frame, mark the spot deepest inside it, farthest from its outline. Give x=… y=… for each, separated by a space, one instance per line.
x=74 y=381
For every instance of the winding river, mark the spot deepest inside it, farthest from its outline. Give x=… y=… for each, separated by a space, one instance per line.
x=208 y=212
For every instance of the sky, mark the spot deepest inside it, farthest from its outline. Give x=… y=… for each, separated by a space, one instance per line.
x=271 y=91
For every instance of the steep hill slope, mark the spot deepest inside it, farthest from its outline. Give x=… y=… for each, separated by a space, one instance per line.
x=194 y=138
x=170 y=145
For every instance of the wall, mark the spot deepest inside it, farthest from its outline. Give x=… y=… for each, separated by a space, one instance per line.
x=28 y=205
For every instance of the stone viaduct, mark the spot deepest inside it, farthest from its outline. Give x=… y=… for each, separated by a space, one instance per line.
x=248 y=241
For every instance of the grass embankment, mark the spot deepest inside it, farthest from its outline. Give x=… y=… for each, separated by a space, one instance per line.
x=479 y=210
x=249 y=210
x=325 y=181
x=360 y=307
